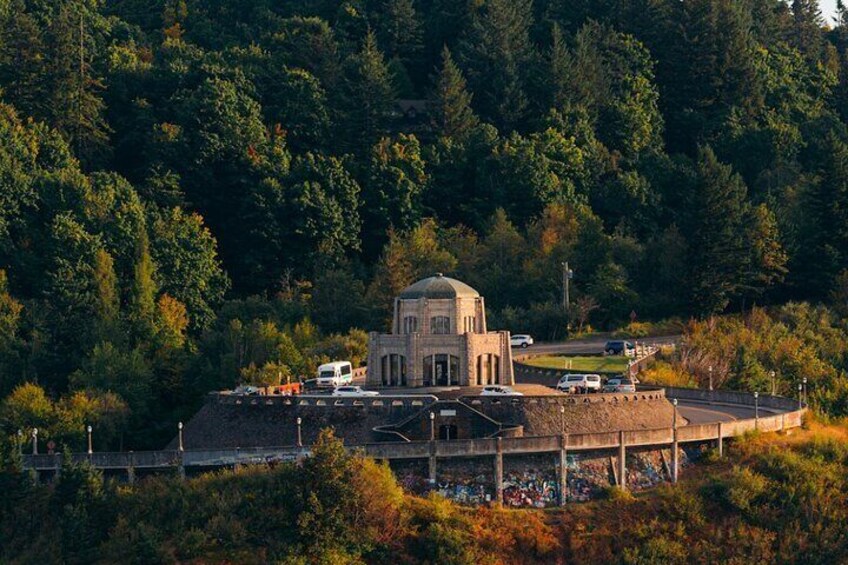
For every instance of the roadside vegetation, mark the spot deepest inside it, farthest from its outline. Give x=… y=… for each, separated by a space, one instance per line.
x=774 y=498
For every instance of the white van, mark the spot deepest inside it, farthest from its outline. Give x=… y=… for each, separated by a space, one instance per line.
x=580 y=383
x=335 y=374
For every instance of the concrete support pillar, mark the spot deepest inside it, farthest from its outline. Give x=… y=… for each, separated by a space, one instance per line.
x=432 y=465
x=675 y=458
x=563 y=469
x=622 y=466
x=499 y=473
x=720 y=441
x=181 y=467
x=130 y=468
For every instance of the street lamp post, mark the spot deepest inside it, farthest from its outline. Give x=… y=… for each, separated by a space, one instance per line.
x=299 y=438
x=806 y=400
x=756 y=409
x=35 y=441
x=773 y=383
x=20 y=442
x=88 y=431
x=432 y=426
x=710 y=371
x=800 y=402
x=180 y=435
x=674 y=417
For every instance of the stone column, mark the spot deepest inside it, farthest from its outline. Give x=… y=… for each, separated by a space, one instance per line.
x=622 y=466
x=372 y=372
x=563 y=469
x=675 y=457
x=499 y=472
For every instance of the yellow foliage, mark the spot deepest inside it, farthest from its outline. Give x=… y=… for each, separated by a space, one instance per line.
x=662 y=373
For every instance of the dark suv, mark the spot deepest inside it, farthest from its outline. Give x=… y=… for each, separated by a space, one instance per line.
x=619 y=348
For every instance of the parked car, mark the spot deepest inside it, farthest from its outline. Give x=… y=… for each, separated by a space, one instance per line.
x=620 y=347
x=521 y=340
x=579 y=383
x=499 y=391
x=353 y=391
x=246 y=390
x=620 y=384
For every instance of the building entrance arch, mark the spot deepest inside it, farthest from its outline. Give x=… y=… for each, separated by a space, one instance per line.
x=441 y=369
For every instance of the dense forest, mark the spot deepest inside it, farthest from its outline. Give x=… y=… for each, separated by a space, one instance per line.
x=196 y=194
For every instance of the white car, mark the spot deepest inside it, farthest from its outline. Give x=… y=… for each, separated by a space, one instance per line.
x=620 y=384
x=579 y=383
x=521 y=340
x=499 y=391
x=353 y=391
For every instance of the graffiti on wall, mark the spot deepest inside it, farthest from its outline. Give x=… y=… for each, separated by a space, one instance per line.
x=644 y=469
x=532 y=488
x=531 y=480
x=588 y=476
x=467 y=480
x=470 y=491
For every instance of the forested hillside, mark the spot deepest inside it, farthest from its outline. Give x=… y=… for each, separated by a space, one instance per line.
x=195 y=193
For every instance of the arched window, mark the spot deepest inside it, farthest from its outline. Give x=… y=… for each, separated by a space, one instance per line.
x=393 y=370
x=440 y=325
x=410 y=325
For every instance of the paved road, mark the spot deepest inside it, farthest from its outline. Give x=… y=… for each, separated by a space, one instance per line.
x=588 y=346
x=702 y=413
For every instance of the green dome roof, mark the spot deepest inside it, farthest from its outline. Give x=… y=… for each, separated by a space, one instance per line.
x=438 y=287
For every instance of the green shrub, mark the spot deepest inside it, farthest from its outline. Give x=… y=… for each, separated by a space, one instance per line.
x=742 y=489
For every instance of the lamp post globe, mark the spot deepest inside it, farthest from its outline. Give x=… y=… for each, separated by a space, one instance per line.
x=674 y=417
x=299 y=437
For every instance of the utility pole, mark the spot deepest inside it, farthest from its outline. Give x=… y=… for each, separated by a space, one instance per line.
x=567 y=275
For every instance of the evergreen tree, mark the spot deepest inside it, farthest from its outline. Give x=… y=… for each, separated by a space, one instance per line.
x=450 y=110
x=720 y=257
x=807 y=33
x=367 y=97
x=557 y=71
x=497 y=55
x=400 y=32
x=393 y=190
x=142 y=307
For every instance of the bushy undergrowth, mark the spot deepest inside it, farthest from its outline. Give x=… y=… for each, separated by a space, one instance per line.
x=772 y=498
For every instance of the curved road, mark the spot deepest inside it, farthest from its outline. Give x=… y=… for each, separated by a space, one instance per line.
x=694 y=412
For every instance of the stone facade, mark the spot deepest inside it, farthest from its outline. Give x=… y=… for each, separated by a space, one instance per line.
x=439 y=338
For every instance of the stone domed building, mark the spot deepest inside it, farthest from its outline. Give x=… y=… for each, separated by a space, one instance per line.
x=439 y=338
